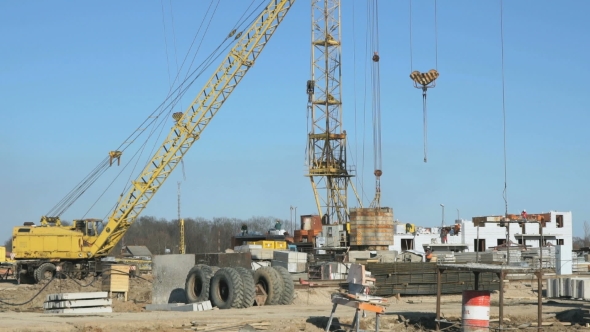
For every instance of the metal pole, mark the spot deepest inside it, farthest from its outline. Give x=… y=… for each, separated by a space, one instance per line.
x=458 y=216
x=477 y=246
x=501 y=309
x=291 y=220
x=443 y=216
x=540 y=281
x=438 y=295
x=295 y=219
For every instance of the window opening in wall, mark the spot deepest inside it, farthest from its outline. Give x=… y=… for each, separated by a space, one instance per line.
x=520 y=241
x=501 y=241
x=407 y=244
x=482 y=245
x=559 y=220
x=560 y=242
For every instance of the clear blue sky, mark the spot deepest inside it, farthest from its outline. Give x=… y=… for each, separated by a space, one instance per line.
x=76 y=78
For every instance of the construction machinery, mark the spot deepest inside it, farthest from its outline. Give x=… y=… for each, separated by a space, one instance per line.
x=41 y=250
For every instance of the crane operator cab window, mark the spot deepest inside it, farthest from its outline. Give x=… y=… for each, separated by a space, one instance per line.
x=89 y=227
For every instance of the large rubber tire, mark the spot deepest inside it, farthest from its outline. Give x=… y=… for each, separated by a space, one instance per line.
x=249 y=290
x=198 y=283
x=227 y=289
x=288 y=293
x=45 y=271
x=272 y=283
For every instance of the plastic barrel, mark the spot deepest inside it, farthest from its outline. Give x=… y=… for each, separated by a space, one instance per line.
x=476 y=310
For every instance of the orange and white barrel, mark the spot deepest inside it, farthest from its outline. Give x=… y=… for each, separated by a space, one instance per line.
x=476 y=311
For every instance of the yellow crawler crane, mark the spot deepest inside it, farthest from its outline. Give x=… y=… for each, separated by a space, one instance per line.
x=40 y=250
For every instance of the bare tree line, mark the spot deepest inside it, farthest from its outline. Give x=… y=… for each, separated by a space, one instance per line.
x=201 y=235
x=581 y=242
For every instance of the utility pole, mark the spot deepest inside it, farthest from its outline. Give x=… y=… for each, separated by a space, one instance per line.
x=292 y=223
x=181 y=245
x=443 y=215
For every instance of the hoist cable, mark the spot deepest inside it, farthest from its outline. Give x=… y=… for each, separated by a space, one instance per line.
x=435 y=38
x=166 y=43
x=354 y=90
x=411 y=46
x=425 y=120
x=505 y=193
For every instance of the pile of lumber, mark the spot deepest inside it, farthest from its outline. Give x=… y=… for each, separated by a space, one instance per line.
x=420 y=279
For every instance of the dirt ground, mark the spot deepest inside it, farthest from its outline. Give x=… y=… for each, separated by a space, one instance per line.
x=309 y=312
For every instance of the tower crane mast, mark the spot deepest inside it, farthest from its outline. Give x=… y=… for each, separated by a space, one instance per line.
x=326 y=145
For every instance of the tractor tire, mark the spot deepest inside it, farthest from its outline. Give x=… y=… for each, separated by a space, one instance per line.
x=272 y=283
x=198 y=283
x=249 y=290
x=288 y=293
x=45 y=271
x=227 y=289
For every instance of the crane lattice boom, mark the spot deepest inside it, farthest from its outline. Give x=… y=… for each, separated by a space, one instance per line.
x=188 y=127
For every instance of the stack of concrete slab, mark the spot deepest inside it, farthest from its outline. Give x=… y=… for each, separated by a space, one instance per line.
x=198 y=306
x=78 y=303
x=492 y=257
x=256 y=251
x=465 y=257
x=291 y=260
x=576 y=288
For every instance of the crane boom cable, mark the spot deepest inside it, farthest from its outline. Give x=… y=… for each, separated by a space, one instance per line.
x=376 y=101
x=90 y=179
x=505 y=192
x=190 y=125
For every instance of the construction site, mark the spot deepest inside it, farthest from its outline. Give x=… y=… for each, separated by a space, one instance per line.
x=347 y=264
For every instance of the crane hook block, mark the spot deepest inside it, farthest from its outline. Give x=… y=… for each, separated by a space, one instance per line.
x=424 y=79
x=378 y=172
x=376 y=57
x=115 y=155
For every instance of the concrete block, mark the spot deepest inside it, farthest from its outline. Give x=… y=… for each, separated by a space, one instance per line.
x=354 y=254
x=235 y=259
x=92 y=310
x=170 y=273
x=199 y=306
x=291 y=267
x=290 y=256
x=77 y=303
x=76 y=296
x=162 y=307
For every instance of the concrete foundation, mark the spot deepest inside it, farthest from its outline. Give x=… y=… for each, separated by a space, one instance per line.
x=170 y=273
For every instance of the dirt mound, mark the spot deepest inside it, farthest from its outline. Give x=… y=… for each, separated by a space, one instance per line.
x=27 y=298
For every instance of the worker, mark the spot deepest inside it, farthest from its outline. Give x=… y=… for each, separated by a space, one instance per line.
x=428 y=254
x=244 y=229
x=443 y=235
x=278 y=225
x=524 y=215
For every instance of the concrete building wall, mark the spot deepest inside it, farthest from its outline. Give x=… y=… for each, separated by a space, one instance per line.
x=493 y=234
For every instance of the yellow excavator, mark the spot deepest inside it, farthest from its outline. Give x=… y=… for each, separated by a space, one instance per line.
x=40 y=250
